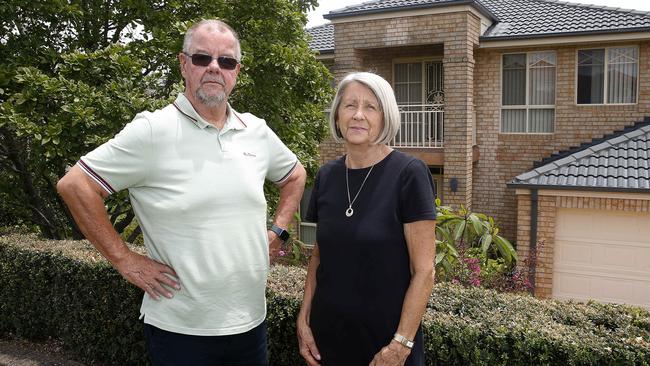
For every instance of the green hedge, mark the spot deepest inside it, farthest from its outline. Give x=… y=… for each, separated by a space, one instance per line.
x=65 y=290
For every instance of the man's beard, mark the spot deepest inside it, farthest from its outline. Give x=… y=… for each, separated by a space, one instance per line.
x=214 y=99
x=210 y=100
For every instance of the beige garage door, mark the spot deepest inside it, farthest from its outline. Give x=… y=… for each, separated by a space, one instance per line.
x=602 y=255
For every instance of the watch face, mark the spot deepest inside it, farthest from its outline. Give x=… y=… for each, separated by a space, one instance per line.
x=280 y=232
x=284 y=235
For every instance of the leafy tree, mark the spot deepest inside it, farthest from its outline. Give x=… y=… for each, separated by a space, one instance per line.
x=73 y=73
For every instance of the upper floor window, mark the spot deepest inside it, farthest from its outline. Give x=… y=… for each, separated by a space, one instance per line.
x=608 y=75
x=417 y=83
x=419 y=93
x=528 y=92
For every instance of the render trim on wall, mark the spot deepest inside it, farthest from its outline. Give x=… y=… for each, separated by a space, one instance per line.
x=485 y=21
x=590 y=194
x=564 y=40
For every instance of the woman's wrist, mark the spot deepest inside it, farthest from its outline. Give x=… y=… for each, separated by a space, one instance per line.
x=303 y=315
x=398 y=347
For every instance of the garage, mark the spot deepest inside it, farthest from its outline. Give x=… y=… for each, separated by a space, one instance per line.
x=602 y=255
x=583 y=220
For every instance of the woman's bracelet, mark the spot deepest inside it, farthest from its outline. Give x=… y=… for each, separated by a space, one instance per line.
x=403 y=341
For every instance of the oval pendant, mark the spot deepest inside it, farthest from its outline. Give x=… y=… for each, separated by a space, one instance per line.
x=349 y=212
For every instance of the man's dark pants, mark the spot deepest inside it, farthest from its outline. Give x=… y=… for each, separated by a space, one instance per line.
x=174 y=349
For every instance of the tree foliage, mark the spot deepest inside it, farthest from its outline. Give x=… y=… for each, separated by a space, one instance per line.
x=73 y=73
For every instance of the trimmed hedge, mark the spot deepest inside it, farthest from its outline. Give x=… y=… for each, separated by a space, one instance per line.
x=65 y=290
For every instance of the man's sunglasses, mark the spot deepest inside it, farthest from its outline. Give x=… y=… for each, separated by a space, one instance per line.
x=225 y=62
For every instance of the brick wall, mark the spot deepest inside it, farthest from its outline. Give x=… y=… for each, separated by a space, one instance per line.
x=330 y=150
x=504 y=156
x=547 y=210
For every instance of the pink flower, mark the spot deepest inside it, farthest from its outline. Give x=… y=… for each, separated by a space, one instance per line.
x=475 y=282
x=282 y=253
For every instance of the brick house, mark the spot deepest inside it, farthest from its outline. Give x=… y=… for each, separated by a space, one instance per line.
x=490 y=90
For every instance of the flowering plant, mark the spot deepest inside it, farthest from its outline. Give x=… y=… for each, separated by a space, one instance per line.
x=470 y=251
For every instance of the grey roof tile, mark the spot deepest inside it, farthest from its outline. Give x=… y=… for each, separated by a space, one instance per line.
x=565 y=160
x=632 y=173
x=547 y=17
x=635 y=133
x=619 y=163
x=528 y=175
x=583 y=153
x=616 y=140
x=322 y=38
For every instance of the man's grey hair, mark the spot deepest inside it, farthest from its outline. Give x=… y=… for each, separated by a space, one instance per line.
x=387 y=104
x=215 y=25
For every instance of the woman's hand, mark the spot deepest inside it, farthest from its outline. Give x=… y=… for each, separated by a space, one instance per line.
x=306 y=342
x=394 y=354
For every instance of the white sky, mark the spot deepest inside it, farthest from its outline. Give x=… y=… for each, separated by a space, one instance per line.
x=316 y=16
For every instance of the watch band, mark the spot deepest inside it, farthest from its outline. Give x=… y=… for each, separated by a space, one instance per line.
x=403 y=341
x=283 y=234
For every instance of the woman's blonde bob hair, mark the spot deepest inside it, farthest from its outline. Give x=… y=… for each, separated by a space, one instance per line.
x=387 y=104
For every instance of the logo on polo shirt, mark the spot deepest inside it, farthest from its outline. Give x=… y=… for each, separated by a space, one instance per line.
x=249 y=154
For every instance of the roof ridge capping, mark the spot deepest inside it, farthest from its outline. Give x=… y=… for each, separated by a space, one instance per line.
x=349 y=11
x=615 y=141
x=324 y=25
x=597 y=7
x=594 y=142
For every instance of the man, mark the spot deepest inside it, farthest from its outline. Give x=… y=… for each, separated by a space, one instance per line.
x=195 y=172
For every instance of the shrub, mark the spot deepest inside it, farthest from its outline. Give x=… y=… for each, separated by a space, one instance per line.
x=470 y=252
x=65 y=290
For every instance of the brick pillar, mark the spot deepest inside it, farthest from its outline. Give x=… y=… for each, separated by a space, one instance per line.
x=346 y=58
x=458 y=65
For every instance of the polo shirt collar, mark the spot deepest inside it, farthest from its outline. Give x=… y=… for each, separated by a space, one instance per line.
x=233 y=121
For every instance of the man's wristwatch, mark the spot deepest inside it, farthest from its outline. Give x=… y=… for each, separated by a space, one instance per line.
x=280 y=232
x=403 y=340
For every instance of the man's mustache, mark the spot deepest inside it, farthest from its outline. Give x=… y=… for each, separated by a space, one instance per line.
x=213 y=79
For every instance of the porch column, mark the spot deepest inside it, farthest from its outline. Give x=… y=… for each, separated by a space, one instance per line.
x=458 y=64
x=347 y=58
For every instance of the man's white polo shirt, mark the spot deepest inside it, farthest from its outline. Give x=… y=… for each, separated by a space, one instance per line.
x=198 y=195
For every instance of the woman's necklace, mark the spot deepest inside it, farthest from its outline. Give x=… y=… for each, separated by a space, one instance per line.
x=349 y=212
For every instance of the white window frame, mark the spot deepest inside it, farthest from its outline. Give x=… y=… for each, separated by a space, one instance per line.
x=606 y=81
x=422 y=61
x=527 y=106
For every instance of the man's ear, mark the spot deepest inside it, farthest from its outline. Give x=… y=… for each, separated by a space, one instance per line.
x=182 y=61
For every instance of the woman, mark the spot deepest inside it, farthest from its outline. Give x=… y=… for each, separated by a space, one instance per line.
x=372 y=270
